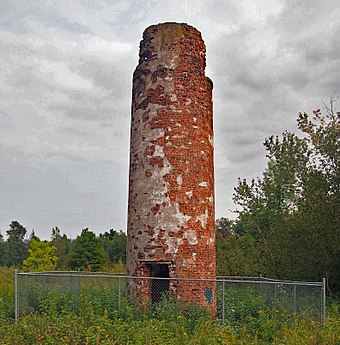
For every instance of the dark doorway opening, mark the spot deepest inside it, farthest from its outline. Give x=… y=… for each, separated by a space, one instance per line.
x=159 y=287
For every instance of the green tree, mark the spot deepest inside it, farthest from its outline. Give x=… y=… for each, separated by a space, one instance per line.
x=41 y=257
x=224 y=227
x=33 y=236
x=292 y=212
x=63 y=245
x=15 y=248
x=87 y=252
x=114 y=245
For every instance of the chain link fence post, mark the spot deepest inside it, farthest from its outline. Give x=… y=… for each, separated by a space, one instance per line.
x=323 y=298
x=16 y=296
x=119 y=294
x=223 y=302
x=294 y=298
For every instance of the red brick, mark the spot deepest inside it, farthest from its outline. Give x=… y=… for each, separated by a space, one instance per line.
x=171 y=162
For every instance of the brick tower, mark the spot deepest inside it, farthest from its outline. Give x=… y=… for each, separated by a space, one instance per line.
x=171 y=191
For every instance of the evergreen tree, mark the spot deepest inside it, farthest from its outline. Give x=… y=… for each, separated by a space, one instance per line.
x=63 y=245
x=114 y=245
x=87 y=252
x=15 y=248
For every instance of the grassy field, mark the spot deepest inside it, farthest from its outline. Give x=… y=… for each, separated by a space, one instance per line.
x=59 y=319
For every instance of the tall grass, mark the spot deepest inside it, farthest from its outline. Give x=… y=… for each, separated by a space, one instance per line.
x=91 y=315
x=6 y=293
x=167 y=324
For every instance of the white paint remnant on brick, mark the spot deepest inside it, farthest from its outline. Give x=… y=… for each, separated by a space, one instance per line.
x=190 y=235
x=189 y=194
x=159 y=151
x=182 y=218
x=203 y=218
x=211 y=140
x=179 y=180
x=173 y=243
x=203 y=184
x=210 y=241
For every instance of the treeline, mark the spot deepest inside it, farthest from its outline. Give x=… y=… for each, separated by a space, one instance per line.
x=86 y=252
x=288 y=219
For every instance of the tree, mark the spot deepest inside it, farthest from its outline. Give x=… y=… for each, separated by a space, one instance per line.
x=15 y=248
x=63 y=245
x=41 y=257
x=224 y=227
x=33 y=236
x=87 y=252
x=292 y=212
x=114 y=245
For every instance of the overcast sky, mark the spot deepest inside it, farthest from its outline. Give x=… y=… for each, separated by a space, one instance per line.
x=65 y=92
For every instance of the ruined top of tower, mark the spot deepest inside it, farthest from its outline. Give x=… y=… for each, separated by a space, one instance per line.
x=171 y=189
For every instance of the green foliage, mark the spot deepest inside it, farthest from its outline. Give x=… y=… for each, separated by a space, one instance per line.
x=224 y=227
x=41 y=257
x=6 y=293
x=114 y=245
x=63 y=245
x=90 y=325
x=288 y=224
x=87 y=252
x=15 y=248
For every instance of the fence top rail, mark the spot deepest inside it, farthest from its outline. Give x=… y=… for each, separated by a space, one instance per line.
x=261 y=278
x=218 y=280
x=74 y=272
x=238 y=277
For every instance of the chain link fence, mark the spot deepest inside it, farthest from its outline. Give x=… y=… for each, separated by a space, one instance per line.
x=230 y=298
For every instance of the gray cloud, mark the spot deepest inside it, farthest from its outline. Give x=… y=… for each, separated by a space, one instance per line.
x=65 y=78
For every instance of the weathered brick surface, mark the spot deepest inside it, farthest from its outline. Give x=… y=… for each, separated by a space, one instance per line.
x=171 y=187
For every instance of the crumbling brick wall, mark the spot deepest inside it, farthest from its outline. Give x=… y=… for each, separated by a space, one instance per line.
x=171 y=186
